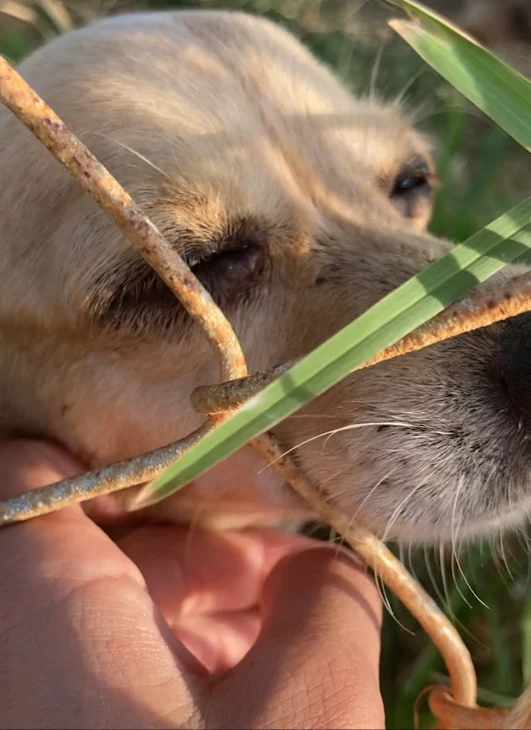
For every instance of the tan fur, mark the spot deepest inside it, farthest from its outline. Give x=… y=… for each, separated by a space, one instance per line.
x=223 y=125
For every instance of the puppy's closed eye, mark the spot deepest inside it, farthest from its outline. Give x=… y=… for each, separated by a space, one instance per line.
x=228 y=266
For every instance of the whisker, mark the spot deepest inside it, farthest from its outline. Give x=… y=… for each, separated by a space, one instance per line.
x=350 y=427
x=371 y=492
x=504 y=557
x=375 y=70
x=412 y=568
x=360 y=506
x=449 y=108
x=398 y=509
x=447 y=602
x=496 y=561
x=317 y=415
x=134 y=152
x=528 y=575
x=431 y=576
x=397 y=101
x=382 y=592
x=454 y=530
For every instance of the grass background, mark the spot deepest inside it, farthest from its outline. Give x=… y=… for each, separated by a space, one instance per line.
x=483 y=172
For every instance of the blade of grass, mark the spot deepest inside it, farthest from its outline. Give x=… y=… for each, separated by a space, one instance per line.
x=501 y=654
x=526 y=641
x=494 y=87
x=397 y=314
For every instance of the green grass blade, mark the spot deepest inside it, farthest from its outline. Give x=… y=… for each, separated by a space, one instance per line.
x=494 y=87
x=526 y=642
x=397 y=314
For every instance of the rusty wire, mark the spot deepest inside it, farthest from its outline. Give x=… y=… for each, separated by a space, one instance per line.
x=452 y=714
x=391 y=570
x=112 y=478
x=476 y=311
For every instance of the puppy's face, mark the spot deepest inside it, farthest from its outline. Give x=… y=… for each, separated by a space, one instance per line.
x=297 y=207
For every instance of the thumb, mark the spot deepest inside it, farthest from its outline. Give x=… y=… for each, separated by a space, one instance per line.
x=318 y=653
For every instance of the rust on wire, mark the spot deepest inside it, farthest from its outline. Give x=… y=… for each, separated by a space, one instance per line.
x=93 y=177
x=485 y=307
x=233 y=394
x=476 y=311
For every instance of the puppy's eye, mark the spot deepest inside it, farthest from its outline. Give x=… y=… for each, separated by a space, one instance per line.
x=229 y=272
x=407 y=183
x=138 y=298
x=412 y=193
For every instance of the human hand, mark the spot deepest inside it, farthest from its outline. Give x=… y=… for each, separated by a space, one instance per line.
x=172 y=628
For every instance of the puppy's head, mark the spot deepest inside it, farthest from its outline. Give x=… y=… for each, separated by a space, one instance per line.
x=298 y=207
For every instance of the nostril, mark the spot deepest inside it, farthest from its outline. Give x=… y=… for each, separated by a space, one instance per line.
x=504 y=384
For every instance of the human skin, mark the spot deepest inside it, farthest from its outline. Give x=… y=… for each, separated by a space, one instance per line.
x=170 y=627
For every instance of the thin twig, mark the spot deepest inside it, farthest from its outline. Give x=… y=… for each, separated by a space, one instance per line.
x=487 y=306
x=93 y=177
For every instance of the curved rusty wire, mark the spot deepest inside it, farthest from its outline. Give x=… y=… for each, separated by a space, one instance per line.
x=389 y=568
x=96 y=180
x=453 y=714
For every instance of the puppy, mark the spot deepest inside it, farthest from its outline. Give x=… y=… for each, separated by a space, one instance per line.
x=298 y=207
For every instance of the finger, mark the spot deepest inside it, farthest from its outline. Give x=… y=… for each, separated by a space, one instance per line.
x=26 y=465
x=318 y=652
x=193 y=572
x=220 y=641
x=208 y=585
x=78 y=626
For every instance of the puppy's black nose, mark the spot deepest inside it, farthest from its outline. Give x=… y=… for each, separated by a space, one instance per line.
x=516 y=362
